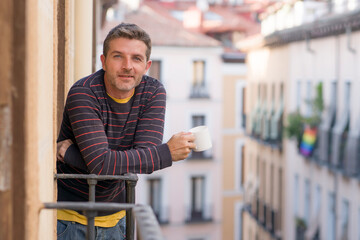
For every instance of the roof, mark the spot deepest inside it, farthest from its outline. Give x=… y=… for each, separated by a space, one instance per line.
x=164 y=31
x=216 y=19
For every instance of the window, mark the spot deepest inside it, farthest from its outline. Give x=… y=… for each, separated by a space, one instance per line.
x=199 y=120
x=276 y=121
x=272 y=177
x=155 y=70
x=238 y=221
x=345 y=220
x=307 y=202
x=325 y=136
x=199 y=73
x=240 y=106
x=331 y=218
x=340 y=131
x=298 y=95
x=309 y=93
x=317 y=200
x=198 y=83
x=296 y=195
x=239 y=163
x=155 y=196
x=265 y=116
x=197 y=207
x=278 y=214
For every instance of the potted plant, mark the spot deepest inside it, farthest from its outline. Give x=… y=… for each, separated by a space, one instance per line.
x=304 y=128
x=300 y=228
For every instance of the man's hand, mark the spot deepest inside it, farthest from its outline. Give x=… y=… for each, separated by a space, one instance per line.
x=180 y=145
x=61 y=149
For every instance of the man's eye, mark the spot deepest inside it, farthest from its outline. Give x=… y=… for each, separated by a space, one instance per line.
x=138 y=59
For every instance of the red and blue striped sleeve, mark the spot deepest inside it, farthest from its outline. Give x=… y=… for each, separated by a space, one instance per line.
x=147 y=154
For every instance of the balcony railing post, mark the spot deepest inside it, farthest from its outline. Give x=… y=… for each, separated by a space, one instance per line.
x=130 y=198
x=90 y=215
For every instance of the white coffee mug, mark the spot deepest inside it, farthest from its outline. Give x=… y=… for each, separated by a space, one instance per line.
x=202 y=138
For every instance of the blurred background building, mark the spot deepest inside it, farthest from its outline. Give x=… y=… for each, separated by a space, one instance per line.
x=302 y=68
x=275 y=81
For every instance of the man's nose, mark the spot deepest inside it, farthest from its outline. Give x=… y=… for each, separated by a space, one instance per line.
x=127 y=64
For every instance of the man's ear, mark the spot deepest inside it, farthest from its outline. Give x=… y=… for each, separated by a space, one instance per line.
x=102 y=58
x=148 y=65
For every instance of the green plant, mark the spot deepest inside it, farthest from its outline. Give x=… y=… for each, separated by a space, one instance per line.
x=300 y=223
x=296 y=122
x=294 y=128
x=317 y=106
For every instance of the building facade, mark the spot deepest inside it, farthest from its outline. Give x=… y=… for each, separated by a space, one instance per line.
x=233 y=150
x=307 y=54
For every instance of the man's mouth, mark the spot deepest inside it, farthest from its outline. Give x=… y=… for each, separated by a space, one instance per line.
x=126 y=76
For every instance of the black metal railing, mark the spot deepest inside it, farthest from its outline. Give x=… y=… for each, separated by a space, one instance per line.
x=199 y=90
x=266 y=217
x=148 y=226
x=268 y=132
x=199 y=215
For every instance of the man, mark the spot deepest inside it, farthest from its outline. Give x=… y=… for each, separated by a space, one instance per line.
x=115 y=118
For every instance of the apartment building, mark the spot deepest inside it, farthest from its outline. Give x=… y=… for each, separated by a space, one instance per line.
x=234 y=123
x=308 y=50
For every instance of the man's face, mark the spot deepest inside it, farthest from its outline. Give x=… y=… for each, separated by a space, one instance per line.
x=124 y=66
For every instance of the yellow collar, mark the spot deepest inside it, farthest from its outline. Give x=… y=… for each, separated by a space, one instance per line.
x=122 y=100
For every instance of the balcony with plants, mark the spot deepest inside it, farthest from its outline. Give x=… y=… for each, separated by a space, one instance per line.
x=267 y=125
x=306 y=130
x=326 y=141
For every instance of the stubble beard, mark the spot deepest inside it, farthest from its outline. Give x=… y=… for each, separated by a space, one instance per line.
x=125 y=86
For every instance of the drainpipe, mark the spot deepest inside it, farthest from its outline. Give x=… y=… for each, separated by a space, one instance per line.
x=308 y=47
x=348 y=35
x=336 y=177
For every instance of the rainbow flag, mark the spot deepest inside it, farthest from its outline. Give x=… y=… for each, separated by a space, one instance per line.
x=308 y=141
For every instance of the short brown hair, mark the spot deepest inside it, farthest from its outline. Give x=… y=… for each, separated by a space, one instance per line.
x=129 y=31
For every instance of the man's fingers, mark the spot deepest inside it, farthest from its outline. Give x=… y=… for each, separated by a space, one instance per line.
x=192 y=145
x=62 y=148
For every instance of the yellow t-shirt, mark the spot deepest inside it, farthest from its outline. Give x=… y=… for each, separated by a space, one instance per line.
x=122 y=100
x=102 y=221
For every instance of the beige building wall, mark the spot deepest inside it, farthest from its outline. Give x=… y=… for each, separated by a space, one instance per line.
x=38 y=43
x=233 y=151
x=268 y=71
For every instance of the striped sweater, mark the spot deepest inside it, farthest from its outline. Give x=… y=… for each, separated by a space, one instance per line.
x=111 y=138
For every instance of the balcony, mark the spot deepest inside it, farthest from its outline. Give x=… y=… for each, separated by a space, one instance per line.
x=300 y=229
x=199 y=90
x=338 y=148
x=199 y=215
x=147 y=225
x=339 y=140
x=267 y=127
x=352 y=155
x=267 y=218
